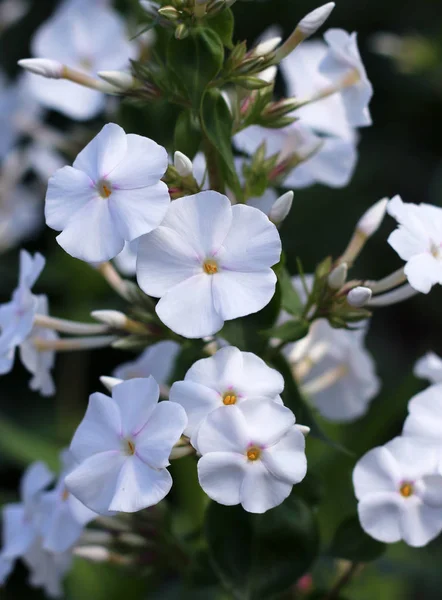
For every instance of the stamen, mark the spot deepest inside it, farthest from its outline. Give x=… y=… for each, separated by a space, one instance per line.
x=210 y=266
x=253 y=453
x=130 y=447
x=406 y=489
x=105 y=189
x=229 y=398
x=65 y=495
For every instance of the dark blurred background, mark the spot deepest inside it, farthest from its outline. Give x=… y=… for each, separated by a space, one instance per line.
x=400 y=154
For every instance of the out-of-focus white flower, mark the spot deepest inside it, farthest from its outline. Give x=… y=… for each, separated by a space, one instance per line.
x=47 y=569
x=43 y=160
x=112 y=194
x=122 y=448
x=227 y=378
x=208 y=262
x=71 y=36
x=16 y=316
x=424 y=419
x=39 y=362
x=126 y=261
x=12 y=11
x=157 y=360
x=252 y=455
x=418 y=241
x=399 y=491
x=20 y=216
x=429 y=367
x=341 y=61
x=63 y=517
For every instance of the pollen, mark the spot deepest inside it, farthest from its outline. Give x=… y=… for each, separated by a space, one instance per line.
x=406 y=490
x=105 y=189
x=253 y=453
x=229 y=398
x=210 y=266
x=130 y=448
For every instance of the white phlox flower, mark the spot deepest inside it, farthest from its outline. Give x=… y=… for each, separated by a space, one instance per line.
x=39 y=362
x=343 y=61
x=122 y=448
x=157 y=360
x=227 y=378
x=110 y=195
x=20 y=216
x=71 y=36
x=21 y=520
x=252 y=454
x=424 y=419
x=429 y=367
x=418 y=241
x=63 y=517
x=47 y=569
x=208 y=262
x=399 y=490
x=16 y=316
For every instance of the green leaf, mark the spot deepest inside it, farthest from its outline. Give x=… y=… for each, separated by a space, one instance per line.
x=290 y=299
x=195 y=61
x=223 y=24
x=258 y=556
x=352 y=543
x=24 y=447
x=218 y=122
x=187 y=135
x=290 y=331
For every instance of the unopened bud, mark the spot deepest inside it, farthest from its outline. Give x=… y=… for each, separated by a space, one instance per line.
x=110 y=382
x=266 y=47
x=371 y=220
x=169 y=12
x=313 y=21
x=52 y=69
x=181 y=32
x=119 y=79
x=182 y=164
x=114 y=318
x=281 y=208
x=303 y=429
x=359 y=296
x=338 y=276
x=268 y=74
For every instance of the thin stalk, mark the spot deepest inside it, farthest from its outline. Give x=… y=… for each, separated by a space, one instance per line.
x=68 y=344
x=114 y=279
x=343 y=581
x=72 y=327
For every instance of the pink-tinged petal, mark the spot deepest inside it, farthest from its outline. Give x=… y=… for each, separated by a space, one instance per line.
x=220 y=372
x=138 y=211
x=139 y=486
x=376 y=471
x=260 y=490
x=224 y=430
x=380 y=516
x=155 y=441
x=197 y=400
x=68 y=191
x=188 y=308
x=164 y=260
x=95 y=480
x=36 y=478
x=221 y=475
x=100 y=430
x=237 y=294
x=252 y=243
x=18 y=531
x=286 y=459
x=266 y=420
x=202 y=220
x=91 y=234
x=419 y=523
x=104 y=153
x=144 y=164
x=423 y=271
x=136 y=400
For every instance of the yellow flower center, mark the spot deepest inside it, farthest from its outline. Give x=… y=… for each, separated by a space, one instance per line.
x=406 y=490
x=229 y=398
x=104 y=189
x=129 y=447
x=65 y=495
x=253 y=453
x=210 y=266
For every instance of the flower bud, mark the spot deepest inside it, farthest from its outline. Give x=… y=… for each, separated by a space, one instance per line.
x=110 y=382
x=313 y=21
x=52 y=69
x=119 y=79
x=371 y=220
x=169 y=12
x=338 y=276
x=266 y=46
x=268 y=74
x=303 y=429
x=114 y=318
x=359 y=296
x=181 y=32
x=281 y=208
x=182 y=164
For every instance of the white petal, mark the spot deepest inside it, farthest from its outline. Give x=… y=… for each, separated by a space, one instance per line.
x=100 y=429
x=286 y=459
x=196 y=399
x=425 y=414
x=420 y=523
x=202 y=220
x=188 y=308
x=164 y=260
x=157 y=360
x=30 y=268
x=221 y=475
x=91 y=234
x=237 y=294
x=144 y=164
x=413 y=458
x=18 y=531
x=423 y=271
x=376 y=471
x=267 y=421
x=94 y=481
x=35 y=479
x=60 y=529
x=104 y=153
x=224 y=430
x=260 y=490
x=139 y=486
x=138 y=211
x=221 y=372
x=380 y=516
x=136 y=400
x=430 y=490
x=68 y=191
x=6 y=567
x=429 y=367
x=164 y=428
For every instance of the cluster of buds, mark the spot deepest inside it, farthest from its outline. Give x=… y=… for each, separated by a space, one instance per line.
x=180 y=178
x=184 y=14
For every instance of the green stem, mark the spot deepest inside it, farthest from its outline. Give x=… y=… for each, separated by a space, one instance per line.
x=344 y=580
x=192 y=500
x=215 y=178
